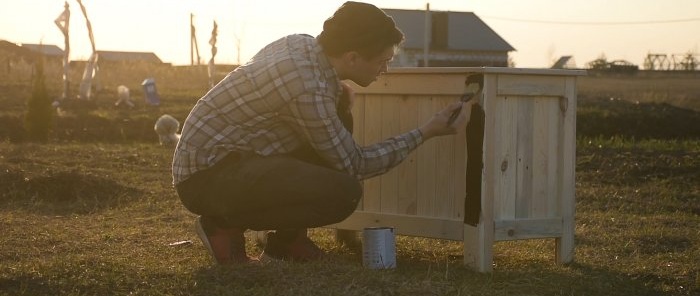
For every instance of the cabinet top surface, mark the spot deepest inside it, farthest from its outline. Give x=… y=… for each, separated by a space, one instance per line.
x=486 y=70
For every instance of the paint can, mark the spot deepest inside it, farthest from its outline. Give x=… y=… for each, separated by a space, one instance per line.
x=378 y=248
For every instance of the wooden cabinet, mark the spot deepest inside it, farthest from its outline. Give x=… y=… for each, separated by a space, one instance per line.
x=509 y=177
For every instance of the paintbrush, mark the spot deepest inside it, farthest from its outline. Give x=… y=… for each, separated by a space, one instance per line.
x=473 y=85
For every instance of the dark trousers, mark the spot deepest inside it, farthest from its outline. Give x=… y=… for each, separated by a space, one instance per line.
x=291 y=191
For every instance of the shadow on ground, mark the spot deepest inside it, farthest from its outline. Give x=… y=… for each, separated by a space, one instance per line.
x=622 y=118
x=62 y=192
x=418 y=278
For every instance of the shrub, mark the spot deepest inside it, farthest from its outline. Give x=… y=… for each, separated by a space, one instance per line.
x=37 y=120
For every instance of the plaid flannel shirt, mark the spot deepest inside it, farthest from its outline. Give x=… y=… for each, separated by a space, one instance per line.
x=285 y=97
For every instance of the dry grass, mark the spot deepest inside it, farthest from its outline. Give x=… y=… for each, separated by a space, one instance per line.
x=95 y=219
x=88 y=216
x=680 y=89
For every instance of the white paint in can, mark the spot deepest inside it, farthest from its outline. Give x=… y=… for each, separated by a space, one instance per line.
x=378 y=248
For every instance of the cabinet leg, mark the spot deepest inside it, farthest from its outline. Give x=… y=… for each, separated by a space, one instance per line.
x=478 y=247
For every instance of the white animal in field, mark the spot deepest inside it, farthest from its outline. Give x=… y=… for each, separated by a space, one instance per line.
x=166 y=127
x=123 y=93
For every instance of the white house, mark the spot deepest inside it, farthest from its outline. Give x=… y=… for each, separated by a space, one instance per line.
x=455 y=39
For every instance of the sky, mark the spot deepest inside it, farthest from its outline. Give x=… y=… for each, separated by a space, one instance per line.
x=540 y=30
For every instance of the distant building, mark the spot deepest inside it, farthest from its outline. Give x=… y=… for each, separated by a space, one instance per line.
x=50 y=51
x=19 y=60
x=455 y=39
x=104 y=55
x=127 y=56
x=564 y=62
x=9 y=50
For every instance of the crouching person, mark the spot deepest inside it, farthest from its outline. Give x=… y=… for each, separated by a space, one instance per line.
x=270 y=147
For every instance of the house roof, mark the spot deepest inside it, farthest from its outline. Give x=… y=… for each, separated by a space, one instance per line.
x=11 y=47
x=119 y=56
x=466 y=31
x=53 y=50
x=45 y=49
x=564 y=62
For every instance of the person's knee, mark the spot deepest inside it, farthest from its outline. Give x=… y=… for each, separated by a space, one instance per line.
x=350 y=192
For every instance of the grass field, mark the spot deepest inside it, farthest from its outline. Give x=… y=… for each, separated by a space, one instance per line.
x=92 y=212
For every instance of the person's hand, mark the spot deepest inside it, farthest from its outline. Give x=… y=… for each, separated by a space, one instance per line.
x=437 y=125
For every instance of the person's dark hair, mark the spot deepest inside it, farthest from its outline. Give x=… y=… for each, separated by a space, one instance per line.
x=359 y=27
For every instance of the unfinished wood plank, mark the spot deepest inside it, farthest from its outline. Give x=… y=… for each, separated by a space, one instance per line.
x=358 y=134
x=517 y=85
x=478 y=248
x=484 y=70
x=408 y=170
x=358 y=116
x=372 y=135
x=417 y=84
x=405 y=224
x=528 y=229
x=450 y=81
x=425 y=163
x=565 y=245
x=498 y=159
x=389 y=189
x=389 y=128
x=505 y=149
x=444 y=162
x=554 y=164
x=524 y=160
x=540 y=157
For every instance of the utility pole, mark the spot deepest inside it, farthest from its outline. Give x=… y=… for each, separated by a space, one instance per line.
x=193 y=42
x=426 y=35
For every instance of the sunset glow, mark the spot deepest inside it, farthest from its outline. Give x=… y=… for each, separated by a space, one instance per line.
x=540 y=30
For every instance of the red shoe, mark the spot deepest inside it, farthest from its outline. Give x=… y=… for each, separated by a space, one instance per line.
x=299 y=248
x=226 y=246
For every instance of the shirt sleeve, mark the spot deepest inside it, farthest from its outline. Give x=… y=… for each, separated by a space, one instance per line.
x=316 y=119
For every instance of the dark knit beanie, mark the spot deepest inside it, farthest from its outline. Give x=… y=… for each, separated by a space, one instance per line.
x=359 y=27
